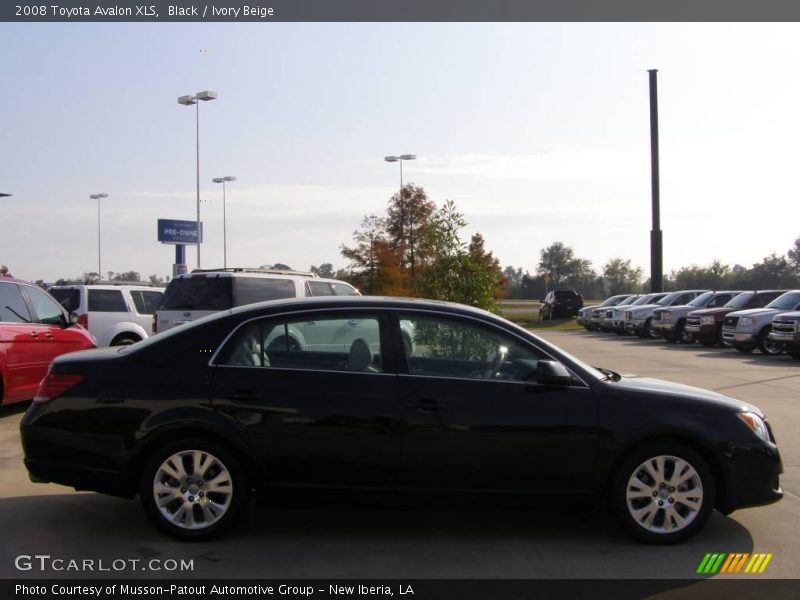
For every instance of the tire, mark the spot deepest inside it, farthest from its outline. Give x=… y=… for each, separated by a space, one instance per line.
x=681 y=335
x=647 y=331
x=686 y=507
x=125 y=339
x=211 y=511
x=767 y=347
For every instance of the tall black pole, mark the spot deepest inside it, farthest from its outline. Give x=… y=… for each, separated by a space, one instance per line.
x=656 y=249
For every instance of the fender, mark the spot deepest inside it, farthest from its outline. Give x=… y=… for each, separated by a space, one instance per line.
x=123 y=327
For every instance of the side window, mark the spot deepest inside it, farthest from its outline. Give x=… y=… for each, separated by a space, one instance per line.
x=12 y=306
x=328 y=343
x=343 y=289
x=107 y=301
x=450 y=348
x=146 y=302
x=686 y=298
x=248 y=290
x=319 y=288
x=69 y=298
x=47 y=310
x=764 y=299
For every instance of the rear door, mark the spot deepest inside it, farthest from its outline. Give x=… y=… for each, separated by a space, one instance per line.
x=145 y=303
x=316 y=415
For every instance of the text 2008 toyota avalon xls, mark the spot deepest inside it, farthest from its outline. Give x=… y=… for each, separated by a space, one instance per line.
x=330 y=395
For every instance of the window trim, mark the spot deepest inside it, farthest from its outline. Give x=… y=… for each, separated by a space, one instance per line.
x=388 y=359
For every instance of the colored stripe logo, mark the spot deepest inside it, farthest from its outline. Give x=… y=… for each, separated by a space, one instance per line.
x=741 y=562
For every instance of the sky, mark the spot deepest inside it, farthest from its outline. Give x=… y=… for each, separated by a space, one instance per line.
x=539 y=132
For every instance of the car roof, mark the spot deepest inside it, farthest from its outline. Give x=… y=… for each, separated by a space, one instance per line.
x=14 y=280
x=108 y=286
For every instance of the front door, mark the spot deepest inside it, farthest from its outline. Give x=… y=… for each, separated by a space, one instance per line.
x=474 y=419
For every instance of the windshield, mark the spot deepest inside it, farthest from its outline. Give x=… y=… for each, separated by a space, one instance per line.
x=69 y=298
x=785 y=302
x=669 y=299
x=741 y=300
x=629 y=300
x=612 y=301
x=702 y=299
x=648 y=299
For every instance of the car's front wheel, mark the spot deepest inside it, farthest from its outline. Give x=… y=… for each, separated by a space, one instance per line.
x=193 y=489
x=663 y=493
x=766 y=345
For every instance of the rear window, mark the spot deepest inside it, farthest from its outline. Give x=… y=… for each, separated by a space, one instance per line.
x=343 y=289
x=198 y=293
x=566 y=295
x=146 y=302
x=258 y=289
x=106 y=301
x=69 y=298
x=319 y=288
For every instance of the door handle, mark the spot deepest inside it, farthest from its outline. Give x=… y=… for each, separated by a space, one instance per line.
x=47 y=334
x=34 y=334
x=428 y=406
x=241 y=396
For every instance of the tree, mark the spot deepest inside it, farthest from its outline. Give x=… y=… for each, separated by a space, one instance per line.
x=621 y=277
x=324 y=270
x=794 y=255
x=127 y=276
x=156 y=280
x=277 y=266
x=407 y=225
x=372 y=253
x=4 y=271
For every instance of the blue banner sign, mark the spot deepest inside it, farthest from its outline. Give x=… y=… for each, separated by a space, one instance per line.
x=171 y=231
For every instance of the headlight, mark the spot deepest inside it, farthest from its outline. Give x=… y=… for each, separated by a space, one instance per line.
x=755 y=424
x=666 y=316
x=707 y=320
x=747 y=321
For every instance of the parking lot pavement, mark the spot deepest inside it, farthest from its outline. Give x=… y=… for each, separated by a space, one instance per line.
x=547 y=542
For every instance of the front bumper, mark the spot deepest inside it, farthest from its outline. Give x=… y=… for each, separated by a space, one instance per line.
x=732 y=336
x=752 y=476
x=786 y=341
x=664 y=326
x=634 y=326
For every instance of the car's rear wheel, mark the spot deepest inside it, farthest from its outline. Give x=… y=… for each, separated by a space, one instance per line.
x=767 y=346
x=193 y=489
x=663 y=493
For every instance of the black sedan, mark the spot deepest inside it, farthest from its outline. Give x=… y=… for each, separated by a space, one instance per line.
x=323 y=395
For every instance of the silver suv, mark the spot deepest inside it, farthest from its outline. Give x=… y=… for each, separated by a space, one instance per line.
x=205 y=291
x=116 y=314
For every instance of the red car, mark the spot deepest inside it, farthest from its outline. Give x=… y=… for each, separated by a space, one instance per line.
x=34 y=329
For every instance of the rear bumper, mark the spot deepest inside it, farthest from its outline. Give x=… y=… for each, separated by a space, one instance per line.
x=80 y=478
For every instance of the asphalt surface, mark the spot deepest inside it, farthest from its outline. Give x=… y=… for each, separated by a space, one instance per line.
x=549 y=542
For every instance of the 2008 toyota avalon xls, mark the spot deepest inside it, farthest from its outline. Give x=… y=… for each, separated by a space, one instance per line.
x=329 y=394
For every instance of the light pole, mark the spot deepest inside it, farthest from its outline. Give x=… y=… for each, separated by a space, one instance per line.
x=188 y=101
x=98 y=197
x=400 y=159
x=223 y=180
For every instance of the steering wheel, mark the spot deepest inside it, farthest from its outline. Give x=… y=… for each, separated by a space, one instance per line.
x=494 y=368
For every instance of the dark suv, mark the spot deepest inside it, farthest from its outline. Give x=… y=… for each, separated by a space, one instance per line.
x=560 y=303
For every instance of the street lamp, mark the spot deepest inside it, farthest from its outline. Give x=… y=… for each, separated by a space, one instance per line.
x=223 y=180
x=400 y=159
x=188 y=101
x=97 y=197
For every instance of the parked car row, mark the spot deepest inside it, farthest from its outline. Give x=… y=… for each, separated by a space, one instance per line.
x=767 y=320
x=38 y=325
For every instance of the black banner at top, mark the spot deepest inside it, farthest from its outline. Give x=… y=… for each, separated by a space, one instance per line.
x=397 y=10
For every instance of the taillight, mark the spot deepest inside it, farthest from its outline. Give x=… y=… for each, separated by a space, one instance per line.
x=154 y=327
x=53 y=385
x=83 y=320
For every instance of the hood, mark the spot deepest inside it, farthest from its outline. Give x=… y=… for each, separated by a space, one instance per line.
x=754 y=312
x=704 y=312
x=673 y=307
x=687 y=393
x=789 y=316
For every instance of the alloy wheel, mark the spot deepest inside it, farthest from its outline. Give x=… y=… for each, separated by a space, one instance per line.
x=664 y=494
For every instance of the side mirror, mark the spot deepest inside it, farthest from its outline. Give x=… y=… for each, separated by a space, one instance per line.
x=72 y=319
x=550 y=372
